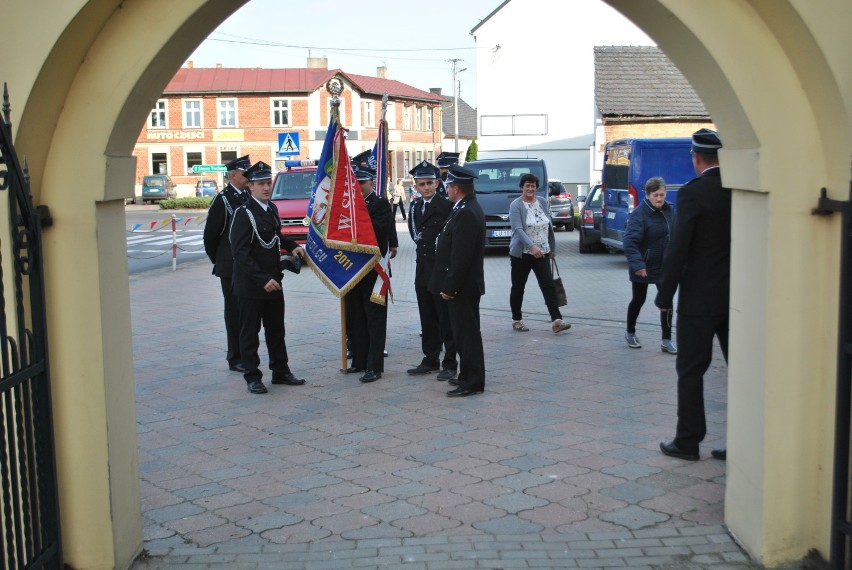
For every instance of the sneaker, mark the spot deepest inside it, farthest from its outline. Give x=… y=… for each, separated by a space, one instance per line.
x=632 y=341
x=668 y=346
x=559 y=325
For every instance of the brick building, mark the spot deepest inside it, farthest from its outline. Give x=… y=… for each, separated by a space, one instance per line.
x=209 y=116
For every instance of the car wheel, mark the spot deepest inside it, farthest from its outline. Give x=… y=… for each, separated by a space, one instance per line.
x=569 y=226
x=584 y=247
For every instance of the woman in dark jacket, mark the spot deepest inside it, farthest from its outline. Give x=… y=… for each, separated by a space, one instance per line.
x=646 y=239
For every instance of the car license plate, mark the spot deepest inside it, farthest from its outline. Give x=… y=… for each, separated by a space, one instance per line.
x=610 y=216
x=501 y=233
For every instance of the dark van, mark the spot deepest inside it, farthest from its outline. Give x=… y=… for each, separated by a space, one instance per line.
x=628 y=164
x=498 y=183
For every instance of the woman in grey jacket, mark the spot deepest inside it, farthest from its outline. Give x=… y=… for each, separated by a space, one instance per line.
x=646 y=239
x=533 y=244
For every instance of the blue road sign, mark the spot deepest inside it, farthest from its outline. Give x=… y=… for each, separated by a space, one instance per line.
x=288 y=144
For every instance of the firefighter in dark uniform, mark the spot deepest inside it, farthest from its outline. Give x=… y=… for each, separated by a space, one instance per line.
x=426 y=217
x=368 y=320
x=699 y=262
x=459 y=278
x=256 y=242
x=444 y=161
x=218 y=249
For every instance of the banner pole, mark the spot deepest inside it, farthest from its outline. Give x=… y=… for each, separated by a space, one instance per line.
x=343 y=359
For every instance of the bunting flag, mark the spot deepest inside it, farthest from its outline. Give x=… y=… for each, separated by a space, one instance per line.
x=341 y=243
x=379 y=160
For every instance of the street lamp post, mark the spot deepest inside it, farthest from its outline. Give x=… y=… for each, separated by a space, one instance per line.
x=456 y=72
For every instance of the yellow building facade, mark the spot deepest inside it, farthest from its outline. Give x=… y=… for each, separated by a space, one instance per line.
x=776 y=77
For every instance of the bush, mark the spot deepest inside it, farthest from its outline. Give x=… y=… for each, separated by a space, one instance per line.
x=191 y=203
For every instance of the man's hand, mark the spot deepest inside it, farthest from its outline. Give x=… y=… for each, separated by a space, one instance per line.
x=446 y=297
x=642 y=273
x=393 y=251
x=300 y=253
x=272 y=284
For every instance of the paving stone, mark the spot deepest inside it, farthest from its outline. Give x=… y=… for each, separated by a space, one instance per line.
x=634 y=517
x=509 y=524
x=631 y=492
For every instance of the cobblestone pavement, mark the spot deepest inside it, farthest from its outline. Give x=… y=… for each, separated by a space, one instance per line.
x=556 y=465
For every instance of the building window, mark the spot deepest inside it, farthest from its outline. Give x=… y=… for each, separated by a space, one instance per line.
x=418 y=120
x=406 y=117
x=227 y=112
x=159 y=163
x=407 y=166
x=157 y=120
x=429 y=157
x=369 y=114
x=192 y=113
x=419 y=156
x=280 y=112
x=429 y=117
x=391 y=115
x=193 y=158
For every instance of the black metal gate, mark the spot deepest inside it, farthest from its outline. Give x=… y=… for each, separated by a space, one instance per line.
x=29 y=510
x=841 y=508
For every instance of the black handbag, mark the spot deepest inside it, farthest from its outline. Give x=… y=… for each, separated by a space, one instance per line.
x=558 y=286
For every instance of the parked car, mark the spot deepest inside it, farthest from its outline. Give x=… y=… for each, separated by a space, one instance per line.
x=291 y=194
x=206 y=187
x=496 y=186
x=561 y=205
x=156 y=187
x=590 y=220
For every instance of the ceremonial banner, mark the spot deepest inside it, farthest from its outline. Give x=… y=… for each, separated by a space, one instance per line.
x=341 y=244
x=379 y=159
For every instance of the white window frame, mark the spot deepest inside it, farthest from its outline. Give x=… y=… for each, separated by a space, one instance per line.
x=406 y=117
x=390 y=116
x=418 y=119
x=369 y=114
x=273 y=110
x=188 y=149
x=430 y=119
x=185 y=113
x=220 y=111
x=160 y=109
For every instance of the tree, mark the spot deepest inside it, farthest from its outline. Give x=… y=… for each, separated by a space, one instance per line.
x=471 y=151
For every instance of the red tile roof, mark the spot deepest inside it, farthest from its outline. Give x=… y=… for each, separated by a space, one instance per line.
x=294 y=80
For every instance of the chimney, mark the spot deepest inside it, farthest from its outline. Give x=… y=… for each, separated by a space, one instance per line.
x=382 y=72
x=189 y=64
x=435 y=91
x=317 y=63
x=218 y=66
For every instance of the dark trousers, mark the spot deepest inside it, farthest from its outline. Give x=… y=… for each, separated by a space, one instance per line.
x=398 y=202
x=464 y=320
x=269 y=313
x=521 y=268
x=367 y=324
x=435 y=326
x=640 y=292
x=695 y=351
x=232 y=322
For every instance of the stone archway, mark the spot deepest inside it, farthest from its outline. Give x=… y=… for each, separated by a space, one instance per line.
x=773 y=74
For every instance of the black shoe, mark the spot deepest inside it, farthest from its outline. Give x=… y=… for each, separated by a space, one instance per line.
x=423 y=369
x=353 y=369
x=453 y=381
x=257 y=387
x=385 y=353
x=721 y=454
x=370 y=376
x=287 y=378
x=672 y=450
x=462 y=392
x=348 y=353
x=238 y=367
x=446 y=374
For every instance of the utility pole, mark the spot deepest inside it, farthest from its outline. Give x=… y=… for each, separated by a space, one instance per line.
x=456 y=72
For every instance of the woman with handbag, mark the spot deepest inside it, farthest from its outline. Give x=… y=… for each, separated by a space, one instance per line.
x=532 y=247
x=646 y=239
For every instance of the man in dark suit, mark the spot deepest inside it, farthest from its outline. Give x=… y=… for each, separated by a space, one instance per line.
x=699 y=261
x=368 y=318
x=444 y=161
x=218 y=249
x=256 y=243
x=426 y=217
x=459 y=278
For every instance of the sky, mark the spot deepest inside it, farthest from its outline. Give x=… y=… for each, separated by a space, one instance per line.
x=414 y=42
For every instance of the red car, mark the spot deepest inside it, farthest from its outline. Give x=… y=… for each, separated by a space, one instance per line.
x=291 y=193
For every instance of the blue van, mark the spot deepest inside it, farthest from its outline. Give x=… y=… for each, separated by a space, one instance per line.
x=497 y=185
x=628 y=164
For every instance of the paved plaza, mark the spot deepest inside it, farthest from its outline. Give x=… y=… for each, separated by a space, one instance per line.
x=556 y=465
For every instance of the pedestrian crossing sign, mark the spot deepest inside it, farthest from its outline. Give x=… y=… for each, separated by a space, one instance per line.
x=288 y=144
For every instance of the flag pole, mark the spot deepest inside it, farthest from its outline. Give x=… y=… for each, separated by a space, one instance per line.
x=344 y=362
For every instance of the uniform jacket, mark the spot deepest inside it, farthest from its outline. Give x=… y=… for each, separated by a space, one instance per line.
x=383 y=223
x=460 y=251
x=518 y=219
x=424 y=229
x=254 y=264
x=217 y=245
x=646 y=240
x=699 y=258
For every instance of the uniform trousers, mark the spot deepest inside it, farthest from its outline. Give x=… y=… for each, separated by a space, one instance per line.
x=435 y=326
x=368 y=324
x=232 y=322
x=269 y=313
x=540 y=266
x=695 y=352
x=464 y=320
